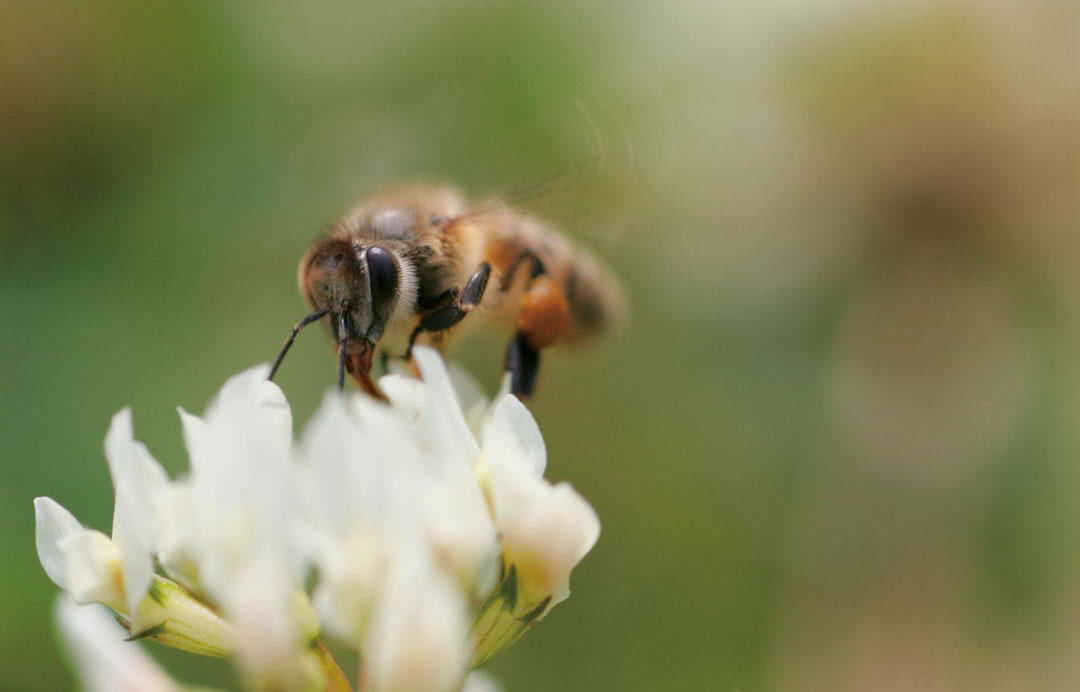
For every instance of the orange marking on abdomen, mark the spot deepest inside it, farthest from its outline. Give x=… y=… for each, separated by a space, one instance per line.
x=500 y=254
x=544 y=318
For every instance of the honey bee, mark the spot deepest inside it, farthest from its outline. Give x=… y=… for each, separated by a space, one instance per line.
x=416 y=265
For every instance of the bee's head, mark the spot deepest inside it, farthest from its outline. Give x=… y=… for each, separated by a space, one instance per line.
x=362 y=280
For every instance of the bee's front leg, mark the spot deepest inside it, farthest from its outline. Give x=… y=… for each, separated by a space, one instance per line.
x=447 y=316
x=343 y=343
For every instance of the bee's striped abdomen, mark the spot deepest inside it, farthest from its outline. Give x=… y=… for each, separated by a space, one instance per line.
x=592 y=297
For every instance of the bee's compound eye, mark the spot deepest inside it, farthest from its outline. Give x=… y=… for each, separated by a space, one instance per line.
x=382 y=271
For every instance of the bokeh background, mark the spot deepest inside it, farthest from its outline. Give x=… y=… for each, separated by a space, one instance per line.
x=835 y=447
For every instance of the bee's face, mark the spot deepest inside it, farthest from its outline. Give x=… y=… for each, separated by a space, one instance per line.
x=357 y=279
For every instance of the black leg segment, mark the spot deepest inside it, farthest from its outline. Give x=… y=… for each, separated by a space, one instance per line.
x=475 y=286
x=537 y=268
x=344 y=336
x=448 y=315
x=523 y=364
x=448 y=296
x=313 y=317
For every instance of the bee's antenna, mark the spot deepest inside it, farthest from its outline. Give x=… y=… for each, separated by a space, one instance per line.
x=341 y=351
x=313 y=317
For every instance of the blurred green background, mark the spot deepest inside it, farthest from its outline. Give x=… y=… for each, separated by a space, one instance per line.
x=834 y=448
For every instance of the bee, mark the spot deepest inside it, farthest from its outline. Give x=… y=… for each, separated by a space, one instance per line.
x=416 y=265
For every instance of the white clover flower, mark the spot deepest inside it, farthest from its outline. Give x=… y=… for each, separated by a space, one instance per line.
x=139 y=481
x=480 y=681
x=419 y=633
x=423 y=530
x=118 y=571
x=385 y=563
x=471 y=397
x=93 y=568
x=104 y=660
x=244 y=511
x=363 y=505
x=83 y=562
x=544 y=530
x=175 y=547
x=457 y=518
x=90 y=565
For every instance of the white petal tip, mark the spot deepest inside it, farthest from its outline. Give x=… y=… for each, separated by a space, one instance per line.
x=53 y=524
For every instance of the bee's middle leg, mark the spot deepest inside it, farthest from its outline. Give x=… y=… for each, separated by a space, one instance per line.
x=448 y=315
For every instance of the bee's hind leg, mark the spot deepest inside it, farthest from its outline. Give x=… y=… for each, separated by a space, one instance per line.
x=543 y=321
x=448 y=315
x=523 y=364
